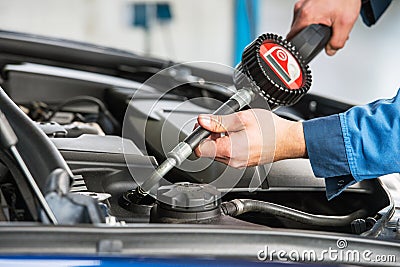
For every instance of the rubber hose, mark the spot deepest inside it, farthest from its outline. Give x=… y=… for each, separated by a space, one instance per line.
x=241 y=206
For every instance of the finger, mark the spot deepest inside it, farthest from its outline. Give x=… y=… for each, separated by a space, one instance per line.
x=220 y=148
x=215 y=136
x=224 y=147
x=206 y=149
x=296 y=25
x=223 y=160
x=296 y=9
x=212 y=136
x=340 y=34
x=221 y=123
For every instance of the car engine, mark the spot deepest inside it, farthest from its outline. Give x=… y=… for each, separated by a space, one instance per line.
x=74 y=102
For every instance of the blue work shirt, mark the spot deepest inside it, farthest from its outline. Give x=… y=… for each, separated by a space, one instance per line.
x=362 y=143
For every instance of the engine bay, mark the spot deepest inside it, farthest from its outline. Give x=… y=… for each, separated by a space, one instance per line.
x=81 y=111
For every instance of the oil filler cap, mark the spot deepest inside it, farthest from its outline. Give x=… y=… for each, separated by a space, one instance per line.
x=186 y=202
x=189 y=197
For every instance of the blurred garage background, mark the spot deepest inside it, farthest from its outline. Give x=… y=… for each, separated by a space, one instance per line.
x=209 y=30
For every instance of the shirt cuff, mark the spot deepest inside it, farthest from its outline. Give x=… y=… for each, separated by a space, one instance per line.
x=335 y=185
x=327 y=153
x=325 y=147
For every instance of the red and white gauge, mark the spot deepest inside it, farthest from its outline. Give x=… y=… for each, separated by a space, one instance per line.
x=283 y=63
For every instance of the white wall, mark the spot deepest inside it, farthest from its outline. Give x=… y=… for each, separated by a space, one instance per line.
x=202 y=30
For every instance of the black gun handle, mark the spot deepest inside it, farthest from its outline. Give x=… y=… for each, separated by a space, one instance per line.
x=311 y=40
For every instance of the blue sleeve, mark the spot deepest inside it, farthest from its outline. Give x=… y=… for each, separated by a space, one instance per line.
x=362 y=143
x=372 y=10
x=371 y=136
x=327 y=153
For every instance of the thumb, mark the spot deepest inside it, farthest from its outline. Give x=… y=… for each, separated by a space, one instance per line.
x=221 y=123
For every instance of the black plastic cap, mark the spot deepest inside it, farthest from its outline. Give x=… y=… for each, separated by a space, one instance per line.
x=189 y=197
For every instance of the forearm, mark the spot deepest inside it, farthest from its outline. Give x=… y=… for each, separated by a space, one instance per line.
x=290 y=142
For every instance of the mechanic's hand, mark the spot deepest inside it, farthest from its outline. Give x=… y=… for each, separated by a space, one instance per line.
x=338 y=14
x=251 y=137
